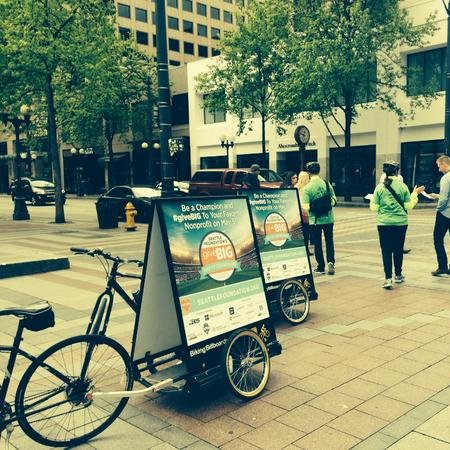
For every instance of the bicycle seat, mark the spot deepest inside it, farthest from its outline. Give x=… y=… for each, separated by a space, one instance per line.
x=27 y=311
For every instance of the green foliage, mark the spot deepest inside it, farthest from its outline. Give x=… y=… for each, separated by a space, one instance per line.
x=64 y=58
x=46 y=45
x=250 y=66
x=336 y=45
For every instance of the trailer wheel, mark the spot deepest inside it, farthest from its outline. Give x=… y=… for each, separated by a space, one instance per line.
x=246 y=364
x=293 y=301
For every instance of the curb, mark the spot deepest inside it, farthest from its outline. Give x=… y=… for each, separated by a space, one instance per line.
x=16 y=269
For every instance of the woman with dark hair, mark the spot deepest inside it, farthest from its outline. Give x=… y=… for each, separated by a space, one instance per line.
x=289 y=180
x=391 y=200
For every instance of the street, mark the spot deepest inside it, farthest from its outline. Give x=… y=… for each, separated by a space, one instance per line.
x=367 y=370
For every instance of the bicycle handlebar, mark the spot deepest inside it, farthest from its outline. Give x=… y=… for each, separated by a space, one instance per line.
x=100 y=252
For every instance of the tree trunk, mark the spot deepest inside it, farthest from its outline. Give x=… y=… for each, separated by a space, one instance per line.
x=348 y=155
x=54 y=151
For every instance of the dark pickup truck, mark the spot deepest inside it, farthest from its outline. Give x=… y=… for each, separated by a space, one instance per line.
x=228 y=181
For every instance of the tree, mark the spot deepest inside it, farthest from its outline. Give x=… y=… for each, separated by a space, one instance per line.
x=99 y=101
x=346 y=58
x=45 y=42
x=243 y=80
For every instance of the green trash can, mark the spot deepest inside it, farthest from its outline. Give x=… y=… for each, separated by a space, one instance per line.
x=107 y=215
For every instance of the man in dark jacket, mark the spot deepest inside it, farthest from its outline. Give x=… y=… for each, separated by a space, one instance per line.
x=251 y=180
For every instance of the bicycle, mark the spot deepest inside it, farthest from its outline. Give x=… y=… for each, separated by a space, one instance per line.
x=53 y=403
x=98 y=322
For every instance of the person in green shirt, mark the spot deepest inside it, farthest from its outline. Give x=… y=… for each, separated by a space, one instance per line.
x=315 y=189
x=391 y=200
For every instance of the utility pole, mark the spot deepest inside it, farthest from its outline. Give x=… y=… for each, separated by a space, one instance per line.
x=447 y=85
x=165 y=116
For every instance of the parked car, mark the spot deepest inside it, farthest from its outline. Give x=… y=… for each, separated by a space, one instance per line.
x=180 y=187
x=228 y=181
x=140 y=196
x=36 y=190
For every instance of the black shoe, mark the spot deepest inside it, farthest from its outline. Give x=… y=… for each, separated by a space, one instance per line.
x=438 y=272
x=406 y=251
x=319 y=271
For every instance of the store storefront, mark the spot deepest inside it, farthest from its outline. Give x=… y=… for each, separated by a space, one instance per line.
x=418 y=163
x=362 y=170
x=291 y=160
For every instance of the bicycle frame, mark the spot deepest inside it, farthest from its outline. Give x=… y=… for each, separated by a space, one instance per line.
x=112 y=287
x=15 y=350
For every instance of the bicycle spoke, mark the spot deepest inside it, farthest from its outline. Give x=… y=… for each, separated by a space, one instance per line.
x=53 y=412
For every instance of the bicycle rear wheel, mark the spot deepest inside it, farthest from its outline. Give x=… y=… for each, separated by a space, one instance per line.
x=51 y=402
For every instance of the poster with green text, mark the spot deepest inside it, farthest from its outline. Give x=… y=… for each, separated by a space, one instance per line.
x=215 y=264
x=279 y=233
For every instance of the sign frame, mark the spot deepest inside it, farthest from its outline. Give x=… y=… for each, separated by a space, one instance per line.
x=205 y=354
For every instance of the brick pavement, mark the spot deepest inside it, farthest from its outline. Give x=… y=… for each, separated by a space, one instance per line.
x=368 y=370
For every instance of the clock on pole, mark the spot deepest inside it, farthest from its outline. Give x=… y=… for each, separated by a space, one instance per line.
x=301 y=136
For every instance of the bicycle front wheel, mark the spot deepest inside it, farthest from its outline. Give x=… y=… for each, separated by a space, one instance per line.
x=51 y=401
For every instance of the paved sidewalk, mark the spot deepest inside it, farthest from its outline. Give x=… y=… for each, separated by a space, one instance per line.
x=370 y=369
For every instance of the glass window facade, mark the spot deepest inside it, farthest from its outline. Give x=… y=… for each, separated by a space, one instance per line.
x=418 y=164
x=201 y=9
x=174 y=45
x=203 y=51
x=142 y=37
x=172 y=23
x=202 y=30
x=124 y=10
x=227 y=17
x=188 y=26
x=125 y=33
x=215 y=33
x=188 y=48
x=187 y=5
x=426 y=71
x=215 y=13
x=212 y=115
x=141 y=15
x=172 y=3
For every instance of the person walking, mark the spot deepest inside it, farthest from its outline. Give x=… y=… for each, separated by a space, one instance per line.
x=442 y=223
x=251 y=180
x=318 y=199
x=302 y=181
x=391 y=200
x=382 y=178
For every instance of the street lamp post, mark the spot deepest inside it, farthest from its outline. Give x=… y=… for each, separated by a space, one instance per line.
x=447 y=85
x=152 y=175
x=165 y=113
x=78 y=153
x=227 y=143
x=20 y=207
x=176 y=145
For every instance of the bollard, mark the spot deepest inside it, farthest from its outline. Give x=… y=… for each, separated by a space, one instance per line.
x=130 y=212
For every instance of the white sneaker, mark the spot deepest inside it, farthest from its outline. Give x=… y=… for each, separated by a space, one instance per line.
x=331 y=270
x=387 y=283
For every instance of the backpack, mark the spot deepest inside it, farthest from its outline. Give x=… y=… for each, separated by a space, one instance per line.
x=320 y=206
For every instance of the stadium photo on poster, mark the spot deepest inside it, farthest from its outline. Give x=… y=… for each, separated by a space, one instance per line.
x=215 y=265
x=278 y=227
